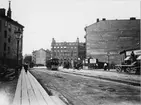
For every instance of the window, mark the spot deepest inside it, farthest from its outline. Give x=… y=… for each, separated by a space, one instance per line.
x=5 y=23
x=5 y=34
x=8 y=50
x=9 y=39
x=9 y=27
x=4 y=46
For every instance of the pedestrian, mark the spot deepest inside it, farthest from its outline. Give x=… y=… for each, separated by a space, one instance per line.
x=105 y=66
x=25 y=67
x=96 y=65
x=132 y=57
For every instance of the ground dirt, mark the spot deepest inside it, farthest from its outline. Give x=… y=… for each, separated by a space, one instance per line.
x=80 y=90
x=7 y=91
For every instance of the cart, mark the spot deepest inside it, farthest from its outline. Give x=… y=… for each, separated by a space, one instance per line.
x=133 y=68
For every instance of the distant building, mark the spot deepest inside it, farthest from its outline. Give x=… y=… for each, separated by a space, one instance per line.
x=105 y=39
x=8 y=41
x=67 y=51
x=40 y=56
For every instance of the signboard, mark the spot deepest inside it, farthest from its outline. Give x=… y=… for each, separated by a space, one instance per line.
x=136 y=52
x=92 y=60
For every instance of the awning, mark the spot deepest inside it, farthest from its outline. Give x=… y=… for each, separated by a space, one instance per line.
x=127 y=58
x=139 y=57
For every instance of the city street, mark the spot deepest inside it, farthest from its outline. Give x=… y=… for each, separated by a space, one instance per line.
x=83 y=90
x=74 y=52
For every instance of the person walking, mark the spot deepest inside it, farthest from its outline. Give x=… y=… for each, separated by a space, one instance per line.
x=105 y=66
x=25 y=67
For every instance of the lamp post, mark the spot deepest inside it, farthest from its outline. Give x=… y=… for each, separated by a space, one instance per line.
x=108 y=55
x=18 y=34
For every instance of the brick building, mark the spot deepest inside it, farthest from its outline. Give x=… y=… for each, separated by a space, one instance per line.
x=67 y=51
x=40 y=56
x=106 y=38
x=8 y=39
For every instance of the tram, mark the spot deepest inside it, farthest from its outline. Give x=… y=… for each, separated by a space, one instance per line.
x=52 y=64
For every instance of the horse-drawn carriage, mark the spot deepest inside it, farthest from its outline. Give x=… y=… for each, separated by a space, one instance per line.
x=131 y=64
x=132 y=68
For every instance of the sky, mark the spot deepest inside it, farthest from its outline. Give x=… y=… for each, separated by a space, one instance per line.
x=64 y=20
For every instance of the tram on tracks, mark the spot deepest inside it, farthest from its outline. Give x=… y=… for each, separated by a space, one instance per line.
x=52 y=64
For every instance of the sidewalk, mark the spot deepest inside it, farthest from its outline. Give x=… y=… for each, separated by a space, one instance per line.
x=108 y=75
x=30 y=92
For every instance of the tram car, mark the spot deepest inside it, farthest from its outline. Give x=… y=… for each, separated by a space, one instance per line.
x=52 y=64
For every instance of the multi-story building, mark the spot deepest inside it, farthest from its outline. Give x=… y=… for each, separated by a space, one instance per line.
x=106 y=38
x=67 y=51
x=8 y=39
x=40 y=56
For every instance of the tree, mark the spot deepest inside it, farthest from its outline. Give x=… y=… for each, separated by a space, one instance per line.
x=28 y=59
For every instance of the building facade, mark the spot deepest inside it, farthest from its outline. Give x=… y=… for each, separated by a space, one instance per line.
x=67 y=51
x=105 y=39
x=40 y=56
x=8 y=39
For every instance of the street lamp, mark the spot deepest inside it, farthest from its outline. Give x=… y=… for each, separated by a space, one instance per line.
x=108 y=55
x=18 y=35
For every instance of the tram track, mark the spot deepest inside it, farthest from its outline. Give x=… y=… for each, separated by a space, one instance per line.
x=103 y=78
x=83 y=90
x=52 y=86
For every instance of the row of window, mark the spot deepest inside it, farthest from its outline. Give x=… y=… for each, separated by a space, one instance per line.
x=65 y=51
x=10 y=26
x=65 y=44
x=64 y=47
x=65 y=54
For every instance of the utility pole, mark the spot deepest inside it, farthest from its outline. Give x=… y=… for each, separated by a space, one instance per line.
x=108 y=55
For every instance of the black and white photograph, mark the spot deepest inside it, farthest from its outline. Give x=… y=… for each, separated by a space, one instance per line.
x=70 y=52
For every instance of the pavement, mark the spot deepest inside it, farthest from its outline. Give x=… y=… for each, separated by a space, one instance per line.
x=111 y=75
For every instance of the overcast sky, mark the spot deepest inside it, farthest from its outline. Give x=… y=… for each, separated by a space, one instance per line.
x=64 y=19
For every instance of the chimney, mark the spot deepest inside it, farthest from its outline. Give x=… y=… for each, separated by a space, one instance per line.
x=97 y=20
x=103 y=19
x=2 y=12
x=132 y=18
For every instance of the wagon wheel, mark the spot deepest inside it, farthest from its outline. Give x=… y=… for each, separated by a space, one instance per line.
x=133 y=69
x=118 y=69
x=128 y=69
